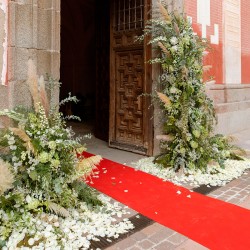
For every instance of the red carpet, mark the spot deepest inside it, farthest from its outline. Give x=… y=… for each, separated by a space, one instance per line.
x=210 y=222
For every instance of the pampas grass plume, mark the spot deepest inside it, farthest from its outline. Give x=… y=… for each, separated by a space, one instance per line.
x=6 y=177
x=32 y=81
x=164 y=98
x=43 y=95
x=164 y=12
x=164 y=49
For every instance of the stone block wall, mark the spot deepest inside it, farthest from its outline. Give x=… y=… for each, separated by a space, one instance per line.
x=232 y=106
x=33 y=33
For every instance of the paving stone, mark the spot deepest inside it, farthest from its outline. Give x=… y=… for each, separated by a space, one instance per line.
x=139 y=236
x=146 y=244
x=231 y=192
x=177 y=239
x=124 y=244
x=152 y=229
x=234 y=201
x=134 y=248
x=190 y=245
x=161 y=235
x=165 y=245
x=246 y=203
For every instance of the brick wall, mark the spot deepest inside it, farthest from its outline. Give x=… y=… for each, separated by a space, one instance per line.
x=245 y=40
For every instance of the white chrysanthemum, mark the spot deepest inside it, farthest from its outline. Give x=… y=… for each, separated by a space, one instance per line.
x=6 y=177
x=173 y=40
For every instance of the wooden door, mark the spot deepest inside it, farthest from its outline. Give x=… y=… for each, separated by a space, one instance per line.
x=130 y=124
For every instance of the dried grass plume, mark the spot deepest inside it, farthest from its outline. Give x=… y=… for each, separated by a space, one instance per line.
x=164 y=49
x=164 y=12
x=6 y=177
x=37 y=88
x=164 y=98
x=32 y=80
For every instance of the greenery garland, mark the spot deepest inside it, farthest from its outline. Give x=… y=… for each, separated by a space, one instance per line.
x=189 y=114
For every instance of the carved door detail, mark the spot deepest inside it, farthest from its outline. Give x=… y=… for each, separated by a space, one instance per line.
x=128 y=119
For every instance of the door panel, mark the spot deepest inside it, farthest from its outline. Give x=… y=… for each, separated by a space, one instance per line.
x=129 y=119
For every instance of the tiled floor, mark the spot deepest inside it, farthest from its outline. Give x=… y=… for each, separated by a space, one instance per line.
x=156 y=236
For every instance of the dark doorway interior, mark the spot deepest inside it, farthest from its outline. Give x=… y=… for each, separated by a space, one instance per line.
x=85 y=44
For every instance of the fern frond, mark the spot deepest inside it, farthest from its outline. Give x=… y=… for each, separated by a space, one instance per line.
x=87 y=165
x=164 y=98
x=43 y=95
x=57 y=209
x=70 y=98
x=32 y=81
x=23 y=136
x=13 y=115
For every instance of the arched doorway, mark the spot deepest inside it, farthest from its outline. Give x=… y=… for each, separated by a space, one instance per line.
x=104 y=67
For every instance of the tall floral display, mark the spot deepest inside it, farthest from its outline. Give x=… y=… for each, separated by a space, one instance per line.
x=189 y=142
x=44 y=202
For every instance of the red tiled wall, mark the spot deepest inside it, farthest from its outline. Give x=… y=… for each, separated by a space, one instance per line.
x=215 y=57
x=245 y=40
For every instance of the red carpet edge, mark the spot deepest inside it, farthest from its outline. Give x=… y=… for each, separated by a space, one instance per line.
x=212 y=223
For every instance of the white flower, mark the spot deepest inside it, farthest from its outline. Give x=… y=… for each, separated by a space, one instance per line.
x=52 y=145
x=173 y=40
x=174 y=48
x=28 y=199
x=13 y=147
x=43 y=157
x=31 y=241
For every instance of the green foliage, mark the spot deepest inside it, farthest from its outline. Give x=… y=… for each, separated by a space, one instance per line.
x=39 y=158
x=189 y=113
x=85 y=193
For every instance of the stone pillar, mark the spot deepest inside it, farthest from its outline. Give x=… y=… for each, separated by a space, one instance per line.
x=156 y=69
x=33 y=33
x=3 y=53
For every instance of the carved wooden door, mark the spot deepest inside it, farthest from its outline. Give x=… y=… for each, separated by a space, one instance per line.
x=130 y=127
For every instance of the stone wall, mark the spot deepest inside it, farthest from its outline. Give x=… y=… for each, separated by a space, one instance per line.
x=33 y=33
x=232 y=105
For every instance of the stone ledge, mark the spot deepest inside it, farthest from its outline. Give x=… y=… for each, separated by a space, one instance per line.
x=232 y=122
x=232 y=107
x=215 y=86
x=228 y=93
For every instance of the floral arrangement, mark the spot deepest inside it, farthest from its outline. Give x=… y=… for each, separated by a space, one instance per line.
x=188 y=141
x=44 y=202
x=212 y=176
